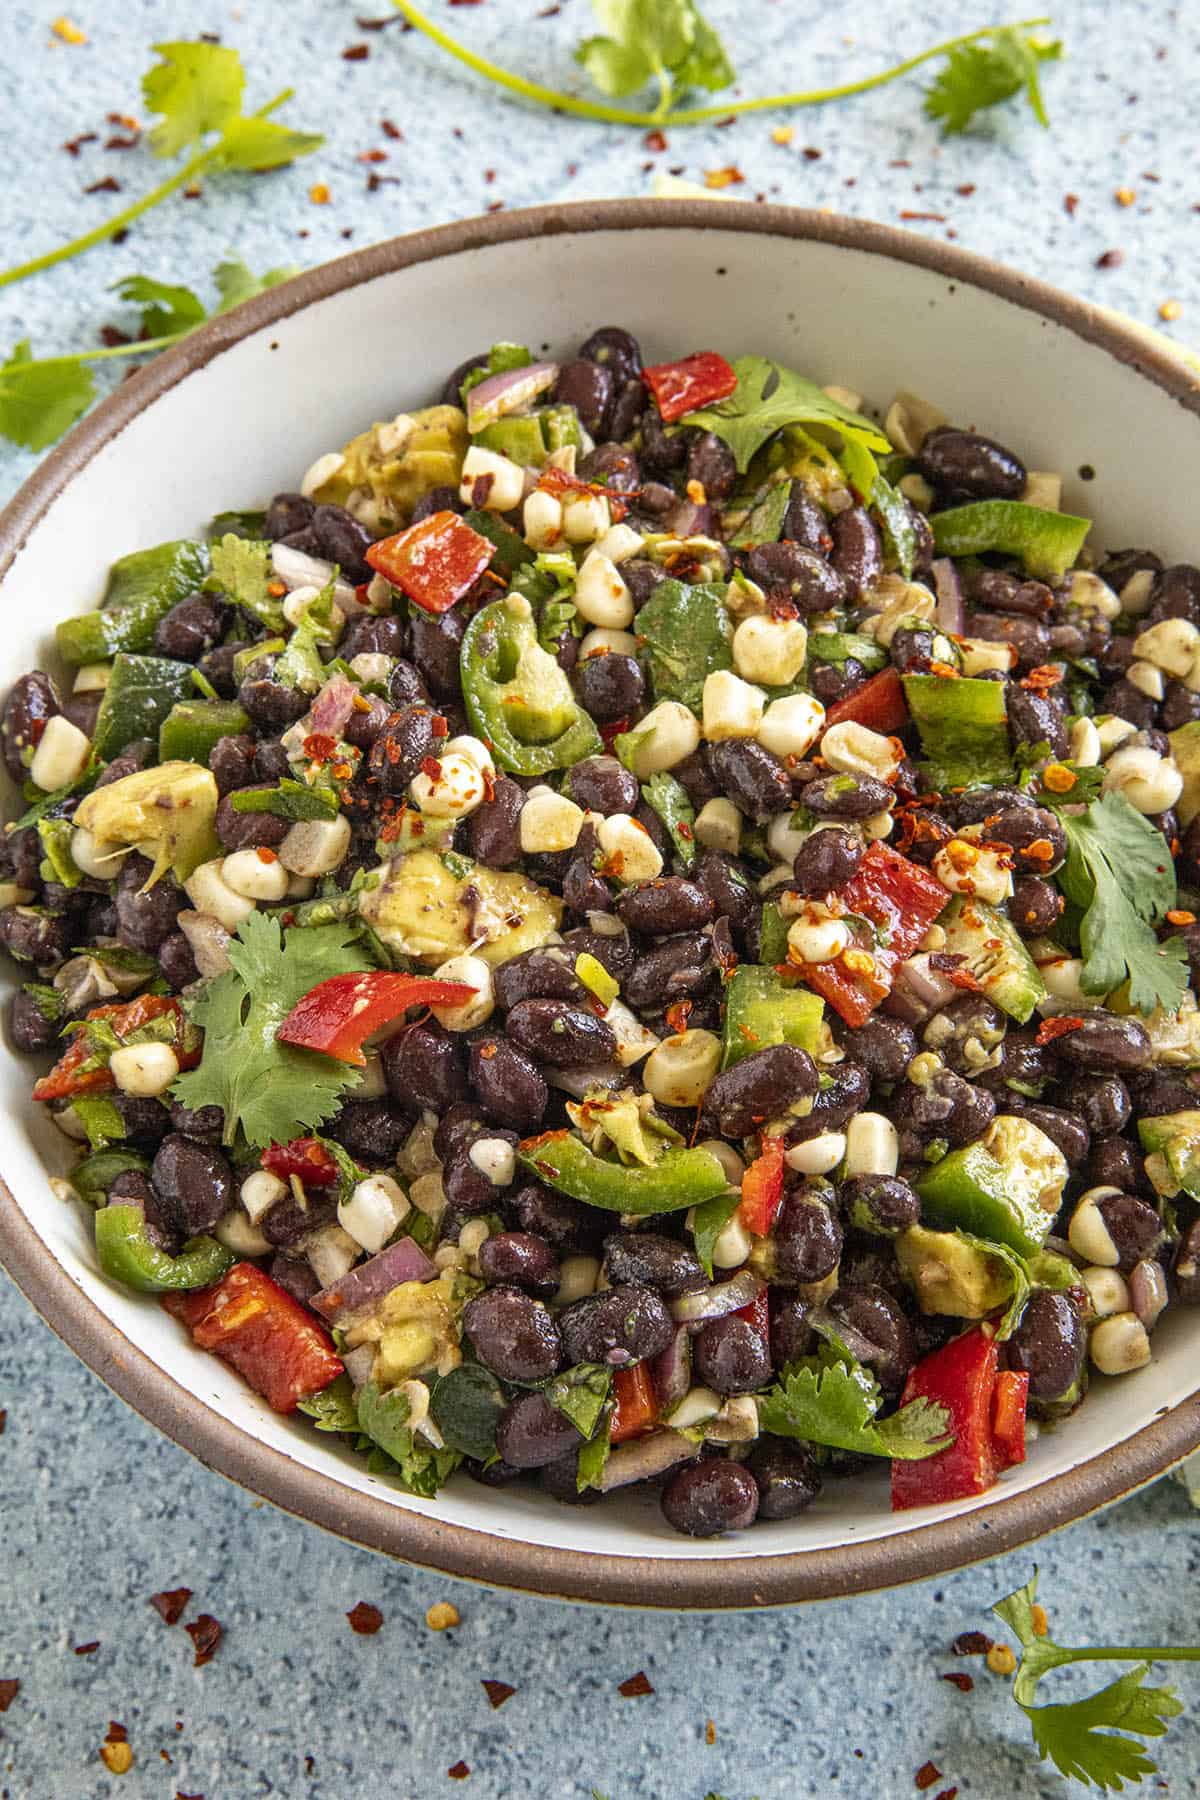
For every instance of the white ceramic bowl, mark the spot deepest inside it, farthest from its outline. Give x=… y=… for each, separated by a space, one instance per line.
x=238 y=413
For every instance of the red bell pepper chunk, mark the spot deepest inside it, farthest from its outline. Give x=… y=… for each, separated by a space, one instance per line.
x=903 y=900
x=271 y=1341
x=434 y=562
x=695 y=381
x=339 y=1014
x=962 y=1377
x=762 y=1188
x=879 y=704
x=635 y=1404
x=304 y=1157
x=125 y=1018
x=1008 y=1416
x=758 y=1314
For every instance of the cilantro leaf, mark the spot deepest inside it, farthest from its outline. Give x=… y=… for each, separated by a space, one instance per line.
x=826 y=1400
x=769 y=397
x=663 y=41
x=669 y=799
x=197 y=88
x=290 y=800
x=274 y=1091
x=411 y=1459
x=709 y=1220
x=581 y=1395
x=333 y=1409
x=300 y=665
x=985 y=74
x=235 y=282
x=1120 y=875
x=465 y=1405
x=241 y=568
x=40 y=400
x=165 y=310
x=593 y=1456
x=684 y=633
x=258 y=144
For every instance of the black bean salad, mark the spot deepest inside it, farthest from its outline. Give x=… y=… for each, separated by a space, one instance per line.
x=636 y=929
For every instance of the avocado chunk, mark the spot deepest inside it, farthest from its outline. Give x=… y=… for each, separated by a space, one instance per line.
x=1172 y=1141
x=994 y=954
x=431 y=907
x=1007 y=1187
x=951 y=1274
x=399 y=461
x=166 y=813
x=1185 y=748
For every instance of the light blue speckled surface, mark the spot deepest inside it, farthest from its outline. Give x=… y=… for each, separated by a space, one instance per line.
x=96 y=1511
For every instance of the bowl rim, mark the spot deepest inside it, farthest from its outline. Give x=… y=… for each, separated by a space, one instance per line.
x=694 y=1584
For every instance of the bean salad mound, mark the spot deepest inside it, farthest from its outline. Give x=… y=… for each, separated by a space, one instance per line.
x=637 y=929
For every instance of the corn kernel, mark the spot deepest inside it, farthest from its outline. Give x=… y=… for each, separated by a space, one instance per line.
x=1000 y=1660
x=783 y=134
x=1039 y=1621
x=1125 y=196
x=319 y=193
x=1058 y=778
x=442 y=1616
x=1170 y=309
x=68 y=33
x=117 y=1758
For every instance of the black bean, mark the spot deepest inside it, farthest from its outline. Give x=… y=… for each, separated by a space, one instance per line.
x=1120 y=566
x=911 y=648
x=679 y=968
x=884 y=1046
x=295 y=1276
x=660 y=452
x=999 y=591
x=613 y=950
x=880 y=1329
x=788 y=1477
x=434 y=651
x=1131 y=704
x=756 y=782
x=655 y=830
x=216 y=666
x=603 y=785
x=567 y=1225
x=1034 y=906
x=343 y=540
x=731 y=1356
x=145 y=919
x=398 y=752
x=807 y=1239
x=405 y=687
x=1115 y=1162
x=373 y=635
x=711 y=463
x=537 y=975
x=177 y=961
x=588 y=387
x=584 y=891
x=82 y=710
x=804 y=523
x=205 y=1124
x=1134 y=1227
x=883 y=1205
x=1070 y=1133
x=1186 y=1267
x=367 y=723
x=25 y=852
x=34 y=936
x=508 y=1084
x=963 y=1031
x=640 y=575
x=844 y=796
x=609 y=686
x=513 y=1335
x=286 y=514
x=31 y=702
x=1103 y=1043
x=964 y=463
x=1158 y=1091
x=457 y=1130
x=1029 y=640
x=1101 y=1101
x=424 y=1066
x=650 y=1259
x=827 y=860
x=729 y=886
x=791 y=1334
x=759 y=1087
x=520 y=1259
x=372 y=1130
x=562 y=1035
x=146 y=1121
x=28 y=1027
x=1180 y=706
x=1035 y=718
x=1049 y=1345
x=435 y=500
x=979 y=806
x=789 y=572
x=469 y=1193
x=629 y=403
x=271 y=761
x=616 y=349
x=614 y=466
x=1176 y=594
x=669 y=904
x=194 y=1183
x=1034 y=834
x=560 y=1479
x=835 y=1104
x=531 y=1433
x=1023 y=1062
x=857 y=553
x=270 y=705
x=231 y=760
x=191 y=628
x=247 y=830
x=704 y=1499
x=946 y=1107
x=451 y=394
x=622 y=1325
x=493 y=832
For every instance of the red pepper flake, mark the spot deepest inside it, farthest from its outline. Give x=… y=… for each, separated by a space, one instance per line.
x=111 y=338
x=356 y=53
x=947 y=1794
x=966 y=190
x=75 y=144
x=365 y=1619
x=3 y=1420
x=1070 y=202
x=1110 y=259
x=460 y=1770
x=932 y=217
x=206 y=1634
x=1046 y=675
x=121 y=143
x=731 y=176
x=372 y=156
x=170 y=1604
x=388 y=127
x=87 y=1649
x=963 y=1682
x=963 y=978
x=109 y=185
x=180 y=1795
x=971 y=1643
x=1057 y=1027
x=319 y=746
x=116 y=1733
x=656 y=141
x=382 y=24
x=498 y=1692
x=678 y=1014
x=9 y=1690
x=439 y=725
x=636 y=1685
x=811 y=154
x=926 y=1775
x=431 y=767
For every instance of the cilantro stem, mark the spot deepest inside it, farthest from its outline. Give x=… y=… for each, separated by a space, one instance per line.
x=693 y=115
x=76 y=246
x=1135 y=1653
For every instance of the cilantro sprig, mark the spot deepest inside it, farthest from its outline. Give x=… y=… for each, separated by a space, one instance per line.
x=831 y=1399
x=196 y=89
x=667 y=47
x=1094 y=1740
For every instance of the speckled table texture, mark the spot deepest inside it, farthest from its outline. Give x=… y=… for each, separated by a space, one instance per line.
x=97 y=1511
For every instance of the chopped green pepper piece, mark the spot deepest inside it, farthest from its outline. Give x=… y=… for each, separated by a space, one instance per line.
x=679 y=1179
x=994 y=954
x=761 y=1009
x=126 y=1253
x=763 y=524
x=1006 y=1188
x=512 y=552
x=142 y=589
x=1172 y=1143
x=93 y=1177
x=141 y=692
x=963 y=727
x=1046 y=542
x=518 y=698
x=560 y=427
x=193 y=727
x=669 y=799
x=238 y=524
x=518 y=437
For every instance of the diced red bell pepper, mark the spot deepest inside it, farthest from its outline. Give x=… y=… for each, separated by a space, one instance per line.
x=879 y=704
x=899 y=897
x=613 y=729
x=125 y=1018
x=434 y=562
x=762 y=1188
x=695 y=381
x=635 y=1404
x=271 y=1341
x=962 y=1377
x=1008 y=1416
x=338 y=1015
x=758 y=1314
x=304 y=1157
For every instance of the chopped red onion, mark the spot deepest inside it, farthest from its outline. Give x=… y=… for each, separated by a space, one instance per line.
x=296 y=570
x=360 y=1364
x=644 y=1457
x=331 y=710
x=208 y=939
x=949 y=611
x=688 y=519
x=400 y=1262
x=508 y=392
x=919 y=991
x=714 y=1302
x=671 y=1371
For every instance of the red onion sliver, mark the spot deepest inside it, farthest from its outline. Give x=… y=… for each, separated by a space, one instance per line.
x=400 y=1262
x=671 y=1371
x=729 y=1296
x=507 y=392
x=332 y=707
x=644 y=1457
x=949 y=611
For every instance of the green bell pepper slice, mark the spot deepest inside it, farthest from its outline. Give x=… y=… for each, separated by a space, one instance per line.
x=1006 y=1188
x=193 y=728
x=761 y=1009
x=140 y=693
x=1172 y=1144
x=518 y=437
x=679 y=1179
x=1046 y=542
x=142 y=589
x=963 y=727
x=518 y=699
x=126 y=1253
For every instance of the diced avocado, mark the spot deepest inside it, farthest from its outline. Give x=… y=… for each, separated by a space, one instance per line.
x=963 y=727
x=424 y=910
x=141 y=692
x=762 y=1009
x=1172 y=1141
x=166 y=813
x=1007 y=1187
x=1185 y=748
x=192 y=728
x=994 y=954
x=952 y=1274
x=399 y=461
